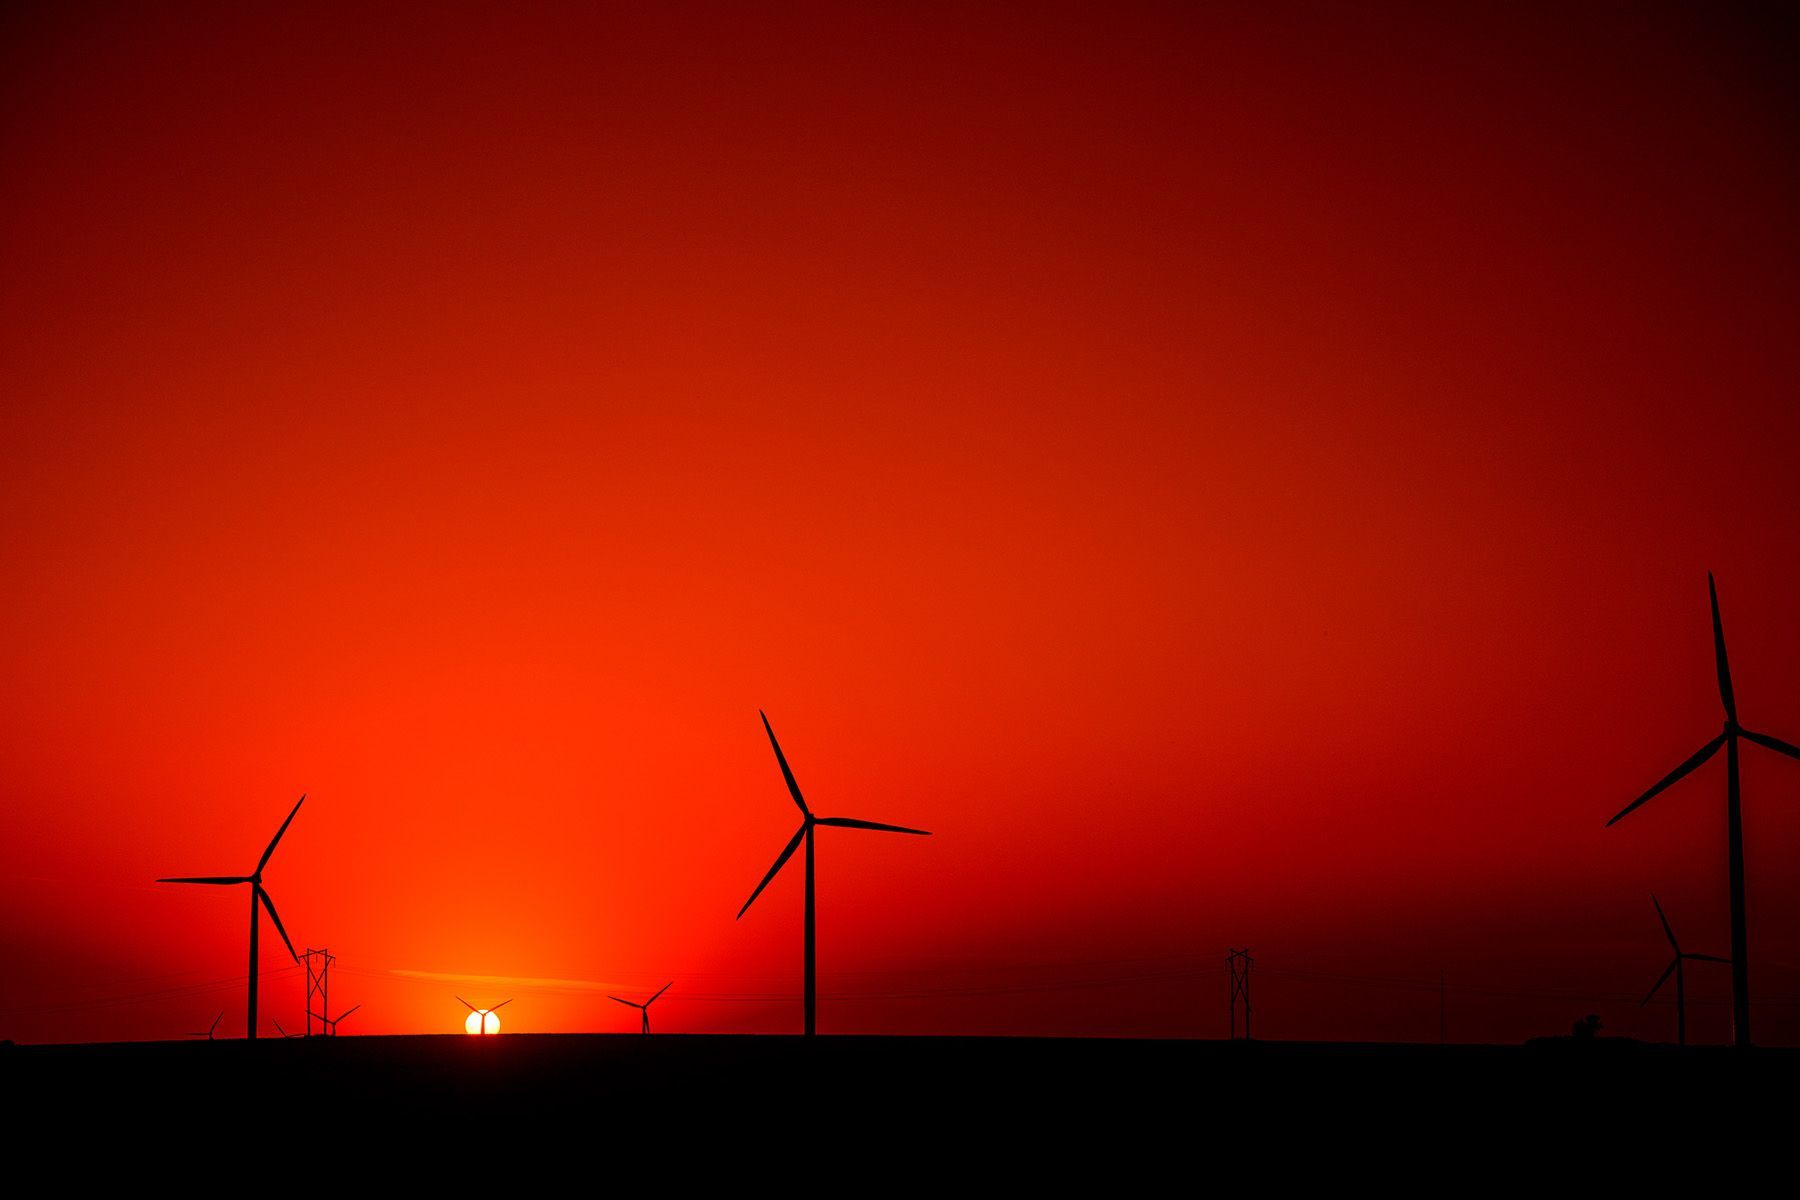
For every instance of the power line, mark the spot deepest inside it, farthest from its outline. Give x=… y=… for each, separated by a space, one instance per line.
x=1183 y=970
x=194 y=989
x=1180 y=970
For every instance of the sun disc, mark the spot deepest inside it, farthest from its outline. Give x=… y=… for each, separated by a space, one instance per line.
x=474 y=1022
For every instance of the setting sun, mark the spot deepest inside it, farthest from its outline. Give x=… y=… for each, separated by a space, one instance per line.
x=481 y=1020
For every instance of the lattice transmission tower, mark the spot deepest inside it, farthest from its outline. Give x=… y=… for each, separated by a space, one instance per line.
x=1238 y=964
x=318 y=991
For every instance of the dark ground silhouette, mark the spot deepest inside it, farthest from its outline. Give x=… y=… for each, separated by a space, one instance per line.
x=1025 y=1111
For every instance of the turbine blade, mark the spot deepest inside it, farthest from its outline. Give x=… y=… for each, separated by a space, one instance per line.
x=1669 y=933
x=276 y=917
x=216 y=1021
x=278 y=1028
x=1701 y=755
x=218 y=879
x=1709 y=958
x=1773 y=743
x=347 y=1012
x=264 y=860
x=853 y=823
x=626 y=1003
x=779 y=863
x=501 y=1005
x=1725 y=695
x=1662 y=979
x=793 y=788
x=467 y=1005
x=659 y=991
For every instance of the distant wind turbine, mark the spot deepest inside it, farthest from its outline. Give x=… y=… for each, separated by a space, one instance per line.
x=257 y=896
x=485 y=1013
x=278 y=1029
x=644 y=1008
x=331 y=1023
x=1674 y=969
x=1734 y=817
x=208 y=1032
x=805 y=833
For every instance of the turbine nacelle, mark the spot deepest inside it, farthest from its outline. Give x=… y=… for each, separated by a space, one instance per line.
x=254 y=879
x=808 y=821
x=1730 y=731
x=1681 y=955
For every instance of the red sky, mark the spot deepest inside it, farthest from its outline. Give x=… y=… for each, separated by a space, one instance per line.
x=1240 y=475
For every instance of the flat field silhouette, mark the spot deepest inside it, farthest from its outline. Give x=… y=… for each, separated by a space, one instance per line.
x=1030 y=1109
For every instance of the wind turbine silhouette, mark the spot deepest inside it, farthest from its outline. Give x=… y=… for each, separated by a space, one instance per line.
x=644 y=1008
x=331 y=1023
x=1734 y=817
x=1674 y=969
x=208 y=1032
x=485 y=1013
x=278 y=1029
x=807 y=822
x=257 y=895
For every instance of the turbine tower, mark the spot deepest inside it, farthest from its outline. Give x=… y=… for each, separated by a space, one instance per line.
x=257 y=897
x=1734 y=817
x=644 y=1008
x=1674 y=969
x=805 y=833
x=485 y=1013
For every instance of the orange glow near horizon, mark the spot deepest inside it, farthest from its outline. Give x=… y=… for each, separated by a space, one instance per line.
x=1239 y=476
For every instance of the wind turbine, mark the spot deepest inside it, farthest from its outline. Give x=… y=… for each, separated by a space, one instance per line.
x=278 y=1029
x=644 y=1008
x=485 y=1013
x=257 y=895
x=805 y=833
x=1674 y=969
x=208 y=1032
x=331 y=1023
x=1734 y=817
